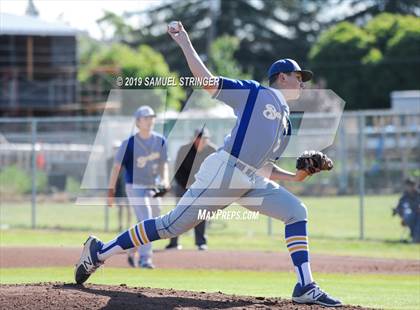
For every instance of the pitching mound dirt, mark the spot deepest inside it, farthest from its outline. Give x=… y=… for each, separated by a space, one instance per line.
x=71 y=296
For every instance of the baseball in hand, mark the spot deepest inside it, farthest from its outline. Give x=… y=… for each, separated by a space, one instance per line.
x=174 y=27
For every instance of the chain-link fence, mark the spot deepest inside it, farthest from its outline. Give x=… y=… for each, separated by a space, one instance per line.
x=44 y=164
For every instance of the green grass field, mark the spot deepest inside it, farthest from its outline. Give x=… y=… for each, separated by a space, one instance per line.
x=332 y=217
x=19 y=237
x=333 y=226
x=378 y=291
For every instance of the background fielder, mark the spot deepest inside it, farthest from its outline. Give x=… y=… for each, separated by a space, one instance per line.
x=243 y=168
x=145 y=159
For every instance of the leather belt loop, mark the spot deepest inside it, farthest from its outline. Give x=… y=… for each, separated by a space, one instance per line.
x=237 y=163
x=248 y=170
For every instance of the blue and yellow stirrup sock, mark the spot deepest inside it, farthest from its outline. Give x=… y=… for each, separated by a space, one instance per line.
x=140 y=234
x=297 y=244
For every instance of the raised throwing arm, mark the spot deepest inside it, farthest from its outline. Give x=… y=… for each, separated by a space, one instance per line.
x=196 y=65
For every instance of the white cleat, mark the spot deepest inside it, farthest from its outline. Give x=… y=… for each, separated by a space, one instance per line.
x=88 y=262
x=313 y=294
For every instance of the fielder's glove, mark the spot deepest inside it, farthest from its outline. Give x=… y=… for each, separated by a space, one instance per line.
x=159 y=191
x=313 y=162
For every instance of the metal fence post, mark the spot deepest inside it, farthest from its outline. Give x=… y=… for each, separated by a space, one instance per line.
x=106 y=218
x=270 y=226
x=362 y=123
x=33 y=172
x=343 y=155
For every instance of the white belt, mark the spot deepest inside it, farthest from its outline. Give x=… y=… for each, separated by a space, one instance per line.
x=235 y=162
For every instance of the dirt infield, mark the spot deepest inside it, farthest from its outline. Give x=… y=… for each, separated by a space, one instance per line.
x=71 y=296
x=222 y=260
x=65 y=296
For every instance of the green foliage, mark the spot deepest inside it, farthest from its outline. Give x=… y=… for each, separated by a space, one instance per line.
x=383 y=27
x=399 y=41
x=114 y=26
x=121 y=60
x=338 y=57
x=374 y=56
x=222 y=58
x=14 y=180
x=72 y=186
x=351 y=59
x=41 y=181
x=86 y=48
x=341 y=42
x=267 y=30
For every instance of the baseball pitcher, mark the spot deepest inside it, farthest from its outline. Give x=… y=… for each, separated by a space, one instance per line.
x=242 y=169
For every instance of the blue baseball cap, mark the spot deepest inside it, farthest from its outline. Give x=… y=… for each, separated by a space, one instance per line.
x=287 y=65
x=144 y=111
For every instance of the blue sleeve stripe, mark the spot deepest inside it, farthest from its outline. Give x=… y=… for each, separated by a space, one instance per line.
x=151 y=231
x=243 y=126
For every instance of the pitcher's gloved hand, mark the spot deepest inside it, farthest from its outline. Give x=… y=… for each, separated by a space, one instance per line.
x=313 y=162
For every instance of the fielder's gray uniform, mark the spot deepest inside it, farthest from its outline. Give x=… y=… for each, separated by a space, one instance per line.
x=142 y=159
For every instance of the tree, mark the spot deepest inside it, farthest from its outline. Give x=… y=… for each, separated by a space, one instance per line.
x=267 y=30
x=113 y=27
x=363 y=65
x=364 y=10
x=398 y=38
x=121 y=60
x=338 y=56
x=222 y=59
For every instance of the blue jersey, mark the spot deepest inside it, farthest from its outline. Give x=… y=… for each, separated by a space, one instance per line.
x=141 y=158
x=263 y=128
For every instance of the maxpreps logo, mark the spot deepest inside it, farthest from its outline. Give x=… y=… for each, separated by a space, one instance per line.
x=247 y=215
x=271 y=113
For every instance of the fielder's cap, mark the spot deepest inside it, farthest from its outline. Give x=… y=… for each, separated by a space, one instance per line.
x=116 y=144
x=202 y=133
x=409 y=181
x=144 y=111
x=289 y=65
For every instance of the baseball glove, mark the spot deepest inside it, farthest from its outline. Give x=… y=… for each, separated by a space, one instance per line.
x=159 y=191
x=313 y=162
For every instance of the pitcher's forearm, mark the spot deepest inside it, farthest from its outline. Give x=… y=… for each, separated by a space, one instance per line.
x=199 y=69
x=276 y=173
x=282 y=175
x=196 y=65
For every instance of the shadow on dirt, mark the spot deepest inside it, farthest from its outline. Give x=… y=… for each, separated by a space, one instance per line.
x=132 y=298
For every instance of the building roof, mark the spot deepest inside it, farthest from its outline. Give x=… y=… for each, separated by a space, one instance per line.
x=27 y=25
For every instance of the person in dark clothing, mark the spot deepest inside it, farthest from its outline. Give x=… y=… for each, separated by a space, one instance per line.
x=122 y=202
x=408 y=209
x=120 y=194
x=188 y=161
